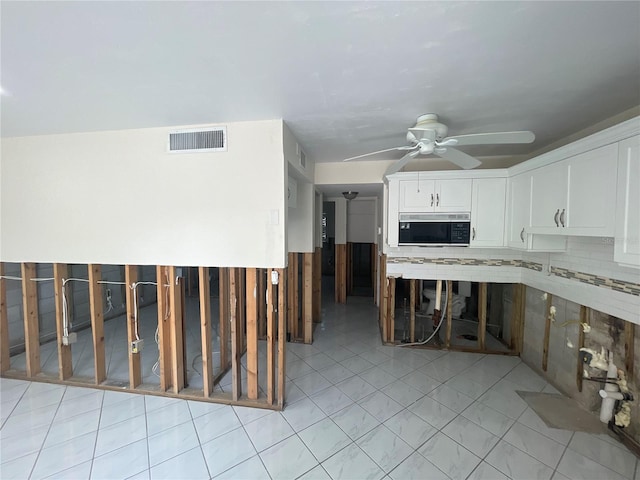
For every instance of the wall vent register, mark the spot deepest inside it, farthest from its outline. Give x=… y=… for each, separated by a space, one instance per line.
x=198 y=140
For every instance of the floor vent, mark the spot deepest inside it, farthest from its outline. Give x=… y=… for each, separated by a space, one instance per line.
x=198 y=140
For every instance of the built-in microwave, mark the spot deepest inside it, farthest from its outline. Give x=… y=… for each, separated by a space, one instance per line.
x=434 y=229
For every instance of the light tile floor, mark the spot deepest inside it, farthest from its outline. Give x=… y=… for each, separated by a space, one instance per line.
x=355 y=410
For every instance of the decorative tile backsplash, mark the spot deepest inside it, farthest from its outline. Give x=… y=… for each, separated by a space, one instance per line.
x=595 y=280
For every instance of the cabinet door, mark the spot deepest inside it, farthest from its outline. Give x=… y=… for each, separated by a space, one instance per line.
x=592 y=192
x=453 y=195
x=487 y=212
x=519 y=210
x=627 y=237
x=549 y=198
x=416 y=196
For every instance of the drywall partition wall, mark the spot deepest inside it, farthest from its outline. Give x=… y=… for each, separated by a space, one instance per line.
x=301 y=221
x=355 y=172
x=78 y=198
x=300 y=166
x=361 y=220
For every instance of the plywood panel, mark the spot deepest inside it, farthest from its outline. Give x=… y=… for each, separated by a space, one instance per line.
x=307 y=297
x=65 y=366
x=97 y=322
x=205 y=330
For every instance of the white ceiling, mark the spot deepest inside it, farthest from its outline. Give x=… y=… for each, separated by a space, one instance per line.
x=348 y=78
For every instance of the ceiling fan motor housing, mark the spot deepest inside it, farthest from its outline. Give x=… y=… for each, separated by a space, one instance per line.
x=429 y=121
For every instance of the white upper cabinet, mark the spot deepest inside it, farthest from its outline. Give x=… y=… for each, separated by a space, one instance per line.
x=627 y=236
x=428 y=195
x=576 y=196
x=487 y=212
x=519 y=210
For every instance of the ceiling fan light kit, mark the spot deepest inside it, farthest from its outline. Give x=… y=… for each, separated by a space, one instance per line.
x=429 y=137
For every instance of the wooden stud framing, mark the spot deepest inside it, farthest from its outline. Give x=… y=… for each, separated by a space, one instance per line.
x=282 y=334
x=412 y=310
x=584 y=318
x=176 y=331
x=97 y=322
x=391 y=310
x=30 y=313
x=349 y=268
x=65 y=366
x=205 y=327
x=447 y=335
x=317 y=285
x=5 y=355
x=374 y=268
x=164 y=327
x=517 y=318
x=262 y=304
x=271 y=339
x=384 y=292
x=547 y=331
x=293 y=295
x=252 y=333
x=135 y=372
x=482 y=314
x=242 y=308
x=307 y=297
x=236 y=339
x=341 y=273
x=223 y=292
x=629 y=340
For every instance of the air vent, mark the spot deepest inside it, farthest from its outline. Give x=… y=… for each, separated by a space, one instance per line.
x=303 y=159
x=198 y=140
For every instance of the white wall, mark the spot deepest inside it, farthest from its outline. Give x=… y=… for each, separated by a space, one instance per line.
x=361 y=220
x=339 y=173
x=118 y=197
x=341 y=220
x=301 y=220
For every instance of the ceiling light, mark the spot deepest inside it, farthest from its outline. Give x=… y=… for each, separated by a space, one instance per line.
x=350 y=195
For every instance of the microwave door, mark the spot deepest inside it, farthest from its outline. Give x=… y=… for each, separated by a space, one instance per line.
x=426 y=233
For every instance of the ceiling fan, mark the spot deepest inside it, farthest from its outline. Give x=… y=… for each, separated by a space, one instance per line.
x=428 y=136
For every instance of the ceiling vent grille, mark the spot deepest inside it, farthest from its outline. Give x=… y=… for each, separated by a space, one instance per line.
x=198 y=140
x=302 y=157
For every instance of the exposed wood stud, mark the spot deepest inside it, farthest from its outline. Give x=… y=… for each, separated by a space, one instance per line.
x=412 y=310
x=341 y=273
x=584 y=318
x=629 y=340
x=97 y=322
x=317 y=285
x=384 y=292
x=262 y=304
x=65 y=366
x=223 y=288
x=307 y=297
x=282 y=334
x=374 y=268
x=131 y=277
x=391 y=310
x=242 y=308
x=482 y=314
x=5 y=356
x=252 y=333
x=447 y=336
x=547 y=331
x=30 y=313
x=164 y=328
x=349 y=268
x=205 y=327
x=523 y=305
x=176 y=330
x=271 y=339
x=293 y=296
x=236 y=339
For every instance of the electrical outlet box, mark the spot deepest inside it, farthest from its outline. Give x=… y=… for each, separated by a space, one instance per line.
x=69 y=339
x=274 y=277
x=136 y=346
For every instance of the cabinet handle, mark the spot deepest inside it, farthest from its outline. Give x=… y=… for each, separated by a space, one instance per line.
x=555 y=218
x=437 y=199
x=432 y=199
x=522 y=235
x=562 y=218
x=473 y=233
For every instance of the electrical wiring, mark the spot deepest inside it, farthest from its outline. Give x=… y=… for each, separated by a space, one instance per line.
x=10 y=277
x=134 y=287
x=435 y=332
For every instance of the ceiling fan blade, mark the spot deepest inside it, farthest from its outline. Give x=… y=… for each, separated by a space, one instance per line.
x=404 y=147
x=459 y=158
x=396 y=167
x=488 y=139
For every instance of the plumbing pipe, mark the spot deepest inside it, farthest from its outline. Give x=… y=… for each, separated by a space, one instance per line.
x=610 y=393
